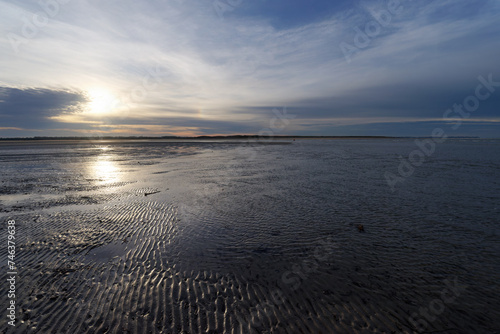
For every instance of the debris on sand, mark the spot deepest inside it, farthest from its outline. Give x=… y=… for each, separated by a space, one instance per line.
x=151 y=193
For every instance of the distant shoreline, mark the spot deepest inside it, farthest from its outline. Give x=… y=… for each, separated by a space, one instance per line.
x=233 y=137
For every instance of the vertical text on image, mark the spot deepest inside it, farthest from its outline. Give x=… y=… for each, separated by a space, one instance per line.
x=11 y=271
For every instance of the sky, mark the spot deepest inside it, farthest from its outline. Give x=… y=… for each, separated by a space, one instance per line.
x=268 y=67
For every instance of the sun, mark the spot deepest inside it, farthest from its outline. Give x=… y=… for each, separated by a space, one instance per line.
x=100 y=101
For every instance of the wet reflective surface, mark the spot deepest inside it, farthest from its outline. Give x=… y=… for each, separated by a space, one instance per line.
x=247 y=237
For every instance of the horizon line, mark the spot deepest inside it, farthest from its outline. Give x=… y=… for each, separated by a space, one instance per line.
x=203 y=137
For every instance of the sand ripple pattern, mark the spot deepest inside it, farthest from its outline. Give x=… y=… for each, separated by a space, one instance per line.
x=120 y=269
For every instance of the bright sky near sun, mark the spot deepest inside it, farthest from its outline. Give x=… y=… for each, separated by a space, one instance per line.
x=185 y=67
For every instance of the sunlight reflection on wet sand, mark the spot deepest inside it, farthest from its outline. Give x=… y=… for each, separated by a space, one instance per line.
x=104 y=169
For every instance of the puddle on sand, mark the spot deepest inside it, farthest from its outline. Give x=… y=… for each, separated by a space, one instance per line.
x=108 y=252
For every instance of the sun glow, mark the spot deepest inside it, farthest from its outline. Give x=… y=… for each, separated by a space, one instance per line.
x=100 y=102
x=104 y=169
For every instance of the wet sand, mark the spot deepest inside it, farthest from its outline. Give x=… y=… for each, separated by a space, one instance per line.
x=198 y=242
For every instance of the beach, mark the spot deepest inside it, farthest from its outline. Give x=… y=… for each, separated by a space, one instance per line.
x=165 y=236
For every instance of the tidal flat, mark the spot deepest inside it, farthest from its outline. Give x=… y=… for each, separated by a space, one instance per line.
x=165 y=236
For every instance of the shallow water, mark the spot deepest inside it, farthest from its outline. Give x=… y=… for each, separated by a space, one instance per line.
x=228 y=237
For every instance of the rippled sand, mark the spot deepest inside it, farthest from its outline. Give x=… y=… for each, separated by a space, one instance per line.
x=222 y=238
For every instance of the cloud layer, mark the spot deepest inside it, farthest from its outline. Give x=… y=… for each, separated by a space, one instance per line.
x=184 y=67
